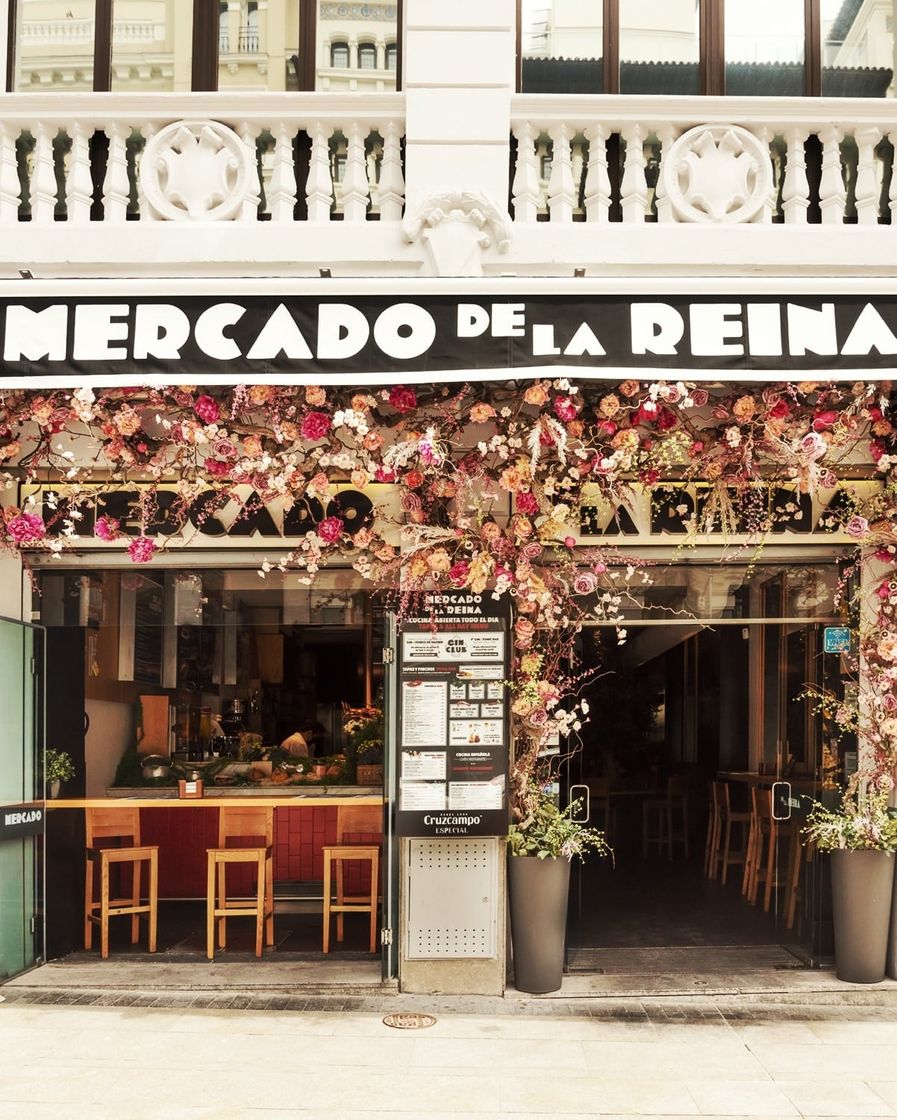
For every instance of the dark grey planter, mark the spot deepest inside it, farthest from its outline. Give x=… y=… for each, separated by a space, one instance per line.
x=538 y=893
x=862 y=893
x=891 y=964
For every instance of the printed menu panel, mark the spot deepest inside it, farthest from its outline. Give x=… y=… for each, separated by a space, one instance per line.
x=453 y=728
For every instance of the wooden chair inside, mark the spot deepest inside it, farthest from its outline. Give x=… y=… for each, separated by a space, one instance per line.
x=352 y=820
x=759 y=864
x=714 y=822
x=728 y=818
x=118 y=823
x=241 y=823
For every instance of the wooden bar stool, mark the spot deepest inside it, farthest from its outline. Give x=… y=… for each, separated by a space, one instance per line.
x=118 y=823
x=241 y=823
x=714 y=821
x=352 y=820
x=759 y=864
x=665 y=814
x=726 y=854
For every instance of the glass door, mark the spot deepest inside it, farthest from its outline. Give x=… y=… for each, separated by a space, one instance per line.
x=22 y=797
x=390 y=914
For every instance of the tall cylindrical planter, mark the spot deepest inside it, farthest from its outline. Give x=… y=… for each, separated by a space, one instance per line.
x=891 y=964
x=538 y=894
x=862 y=893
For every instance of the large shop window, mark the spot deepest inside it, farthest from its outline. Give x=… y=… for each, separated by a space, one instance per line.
x=164 y=46
x=781 y=48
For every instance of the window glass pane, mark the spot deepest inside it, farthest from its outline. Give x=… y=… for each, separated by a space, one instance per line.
x=765 y=48
x=354 y=45
x=55 y=45
x=258 y=45
x=659 y=46
x=151 y=46
x=562 y=44
x=858 y=48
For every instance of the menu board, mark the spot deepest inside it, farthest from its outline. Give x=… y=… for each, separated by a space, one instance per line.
x=453 y=717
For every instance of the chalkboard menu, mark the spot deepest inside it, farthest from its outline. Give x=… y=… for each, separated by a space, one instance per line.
x=148 y=606
x=453 y=717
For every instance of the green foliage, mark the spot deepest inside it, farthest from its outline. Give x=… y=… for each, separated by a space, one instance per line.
x=546 y=832
x=60 y=767
x=862 y=822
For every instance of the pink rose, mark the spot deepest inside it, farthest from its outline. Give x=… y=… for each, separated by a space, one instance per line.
x=857 y=527
x=141 y=549
x=699 y=397
x=565 y=409
x=26 y=528
x=224 y=449
x=532 y=550
x=331 y=529
x=206 y=408
x=585 y=583
x=813 y=446
x=216 y=468
x=459 y=572
x=315 y=425
x=383 y=475
x=526 y=502
x=523 y=633
x=402 y=398
x=106 y=528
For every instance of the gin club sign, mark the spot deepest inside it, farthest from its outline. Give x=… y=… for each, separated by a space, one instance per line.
x=299 y=339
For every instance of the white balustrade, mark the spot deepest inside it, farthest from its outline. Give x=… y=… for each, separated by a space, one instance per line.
x=746 y=160
x=186 y=158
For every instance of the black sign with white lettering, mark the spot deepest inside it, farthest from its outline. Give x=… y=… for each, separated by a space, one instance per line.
x=21 y=820
x=296 y=339
x=453 y=717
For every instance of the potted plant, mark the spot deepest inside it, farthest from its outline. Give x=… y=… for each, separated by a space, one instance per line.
x=541 y=846
x=59 y=768
x=369 y=766
x=364 y=752
x=861 y=838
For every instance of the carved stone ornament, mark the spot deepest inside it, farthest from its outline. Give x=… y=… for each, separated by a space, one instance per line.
x=455 y=228
x=717 y=173
x=197 y=171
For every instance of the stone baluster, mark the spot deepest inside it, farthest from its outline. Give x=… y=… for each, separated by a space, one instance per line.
x=832 y=195
x=392 y=180
x=43 y=175
x=116 y=186
x=525 y=190
x=249 y=211
x=666 y=135
x=319 y=186
x=561 y=185
x=892 y=191
x=796 y=189
x=765 y=136
x=10 y=187
x=597 y=192
x=79 y=185
x=147 y=214
x=868 y=187
x=282 y=189
x=356 y=189
x=634 y=187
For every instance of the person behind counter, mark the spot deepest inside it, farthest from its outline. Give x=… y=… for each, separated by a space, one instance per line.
x=301 y=743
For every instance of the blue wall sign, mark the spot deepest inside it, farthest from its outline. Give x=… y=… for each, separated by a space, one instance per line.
x=836 y=639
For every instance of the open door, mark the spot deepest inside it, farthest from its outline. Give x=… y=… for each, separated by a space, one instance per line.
x=22 y=797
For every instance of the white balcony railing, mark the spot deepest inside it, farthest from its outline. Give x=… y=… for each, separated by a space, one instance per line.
x=112 y=158
x=635 y=160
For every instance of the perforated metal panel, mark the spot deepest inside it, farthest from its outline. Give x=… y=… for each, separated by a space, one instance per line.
x=451 y=898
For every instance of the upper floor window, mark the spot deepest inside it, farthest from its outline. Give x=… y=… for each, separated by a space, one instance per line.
x=367 y=56
x=783 y=48
x=339 y=55
x=392 y=55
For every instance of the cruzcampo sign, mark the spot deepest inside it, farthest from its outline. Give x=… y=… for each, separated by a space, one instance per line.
x=379 y=339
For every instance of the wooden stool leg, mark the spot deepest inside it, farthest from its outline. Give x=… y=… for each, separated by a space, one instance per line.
x=794 y=862
x=715 y=843
x=153 y=899
x=104 y=906
x=668 y=814
x=222 y=897
x=770 y=867
x=88 y=904
x=327 y=889
x=261 y=891
x=727 y=844
x=210 y=907
x=375 y=883
x=269 y=899
x=340 y=924
x=136 y=882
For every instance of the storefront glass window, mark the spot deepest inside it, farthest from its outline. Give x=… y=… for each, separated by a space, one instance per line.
x=659 y=47
x=259 y=47
x=354 y=45
x=562 y=46
x=857 y=49
x=55 y=46
x=151 y=46
x=764 y=47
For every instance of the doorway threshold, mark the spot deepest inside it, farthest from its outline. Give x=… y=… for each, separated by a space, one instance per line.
x=682 y=959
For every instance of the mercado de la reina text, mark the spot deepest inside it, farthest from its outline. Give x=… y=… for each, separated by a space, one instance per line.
x=448 y=472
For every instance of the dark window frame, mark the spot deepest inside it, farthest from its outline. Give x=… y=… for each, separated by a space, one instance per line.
x=712 y=57
x=205 y=45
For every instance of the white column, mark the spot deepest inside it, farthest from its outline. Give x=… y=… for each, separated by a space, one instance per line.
x=458 y=77
x=4 y=46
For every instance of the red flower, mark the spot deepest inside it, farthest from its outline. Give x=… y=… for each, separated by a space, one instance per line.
x=141 y=549
x=315 y=425
x=607 y=427
x=206 y=408
x=331 y=529
x=665 y=420
x=383 y=475
x=216 y=468
x=780 y=410
x=413 y=479
x=26 y=528
x=565 y=409
x=525 y=502
x=824 y=420
x=402 y=398
x=458 y=573
x=106 y=528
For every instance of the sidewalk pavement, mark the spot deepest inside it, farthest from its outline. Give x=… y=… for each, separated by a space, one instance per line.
x=97 y=1060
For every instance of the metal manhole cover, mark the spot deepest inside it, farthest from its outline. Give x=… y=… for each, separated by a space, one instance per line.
x=409 y=1021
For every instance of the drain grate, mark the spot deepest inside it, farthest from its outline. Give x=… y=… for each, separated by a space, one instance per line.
x=409 y=1021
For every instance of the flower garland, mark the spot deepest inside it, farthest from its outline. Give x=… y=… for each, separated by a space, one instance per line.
x=490 y=479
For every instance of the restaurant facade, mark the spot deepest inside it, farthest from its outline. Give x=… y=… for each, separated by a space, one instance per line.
x=396 y=409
